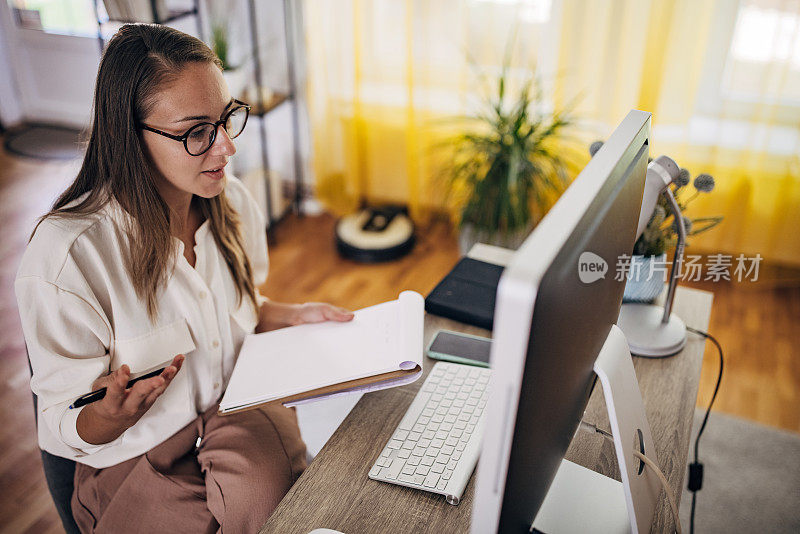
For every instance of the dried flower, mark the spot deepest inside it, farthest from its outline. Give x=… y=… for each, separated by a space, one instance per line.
x=683 y=178
x=704 y=183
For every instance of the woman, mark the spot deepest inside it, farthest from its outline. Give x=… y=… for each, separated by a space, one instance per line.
x=152 y=258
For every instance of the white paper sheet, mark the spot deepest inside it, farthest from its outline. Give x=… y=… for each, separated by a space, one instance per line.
x=380 y=339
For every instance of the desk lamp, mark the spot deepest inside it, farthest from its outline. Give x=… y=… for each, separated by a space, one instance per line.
x=653 y=331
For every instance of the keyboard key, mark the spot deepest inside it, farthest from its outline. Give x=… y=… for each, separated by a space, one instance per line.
x=418 y=428
x=431 y=480
x=401 y=434
x=425 y=443
x=410 y=418
x=406 y=478
x=419 y=451
x=441 y=434
x=394 y=444
x=448 y=450
x=441 y=485
x=451 y=441
x=452 y=464
x=428 y=434
x=384 y=462
x=414 y=436
x=437 y=444
x=447 y=474
x=403 y=453
x=423 y=469
x=419 y=479
x=427 y=460
x=438 y=467
x=395 y=468
x=376 y=471
x=457 y=456
x=414 y=460
x=408 y=445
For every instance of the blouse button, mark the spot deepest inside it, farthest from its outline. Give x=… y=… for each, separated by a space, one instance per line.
x=215 y=343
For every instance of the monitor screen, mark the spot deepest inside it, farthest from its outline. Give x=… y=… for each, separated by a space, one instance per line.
x=543 y=355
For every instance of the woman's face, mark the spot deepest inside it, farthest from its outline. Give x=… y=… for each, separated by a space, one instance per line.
x=199 y=94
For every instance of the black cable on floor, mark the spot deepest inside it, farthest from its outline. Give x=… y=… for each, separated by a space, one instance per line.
x=696 y=468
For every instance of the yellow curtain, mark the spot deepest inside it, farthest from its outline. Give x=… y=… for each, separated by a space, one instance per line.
x=721 y=77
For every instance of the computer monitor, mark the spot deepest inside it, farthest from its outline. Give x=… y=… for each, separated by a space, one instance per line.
x=556 y=303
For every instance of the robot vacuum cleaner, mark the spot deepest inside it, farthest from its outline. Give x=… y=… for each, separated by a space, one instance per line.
x=375 y=234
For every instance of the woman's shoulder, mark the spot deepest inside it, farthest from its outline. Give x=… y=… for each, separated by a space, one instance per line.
x=237 y=192
x=54 y=241
x=242 y=200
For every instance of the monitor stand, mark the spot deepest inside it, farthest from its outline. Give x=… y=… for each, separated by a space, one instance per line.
x=581 y=500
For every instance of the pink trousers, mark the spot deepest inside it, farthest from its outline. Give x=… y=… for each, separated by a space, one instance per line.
x=245 y=464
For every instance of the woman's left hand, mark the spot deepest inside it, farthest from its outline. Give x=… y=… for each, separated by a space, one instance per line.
x=274 y=315
x=317 y=312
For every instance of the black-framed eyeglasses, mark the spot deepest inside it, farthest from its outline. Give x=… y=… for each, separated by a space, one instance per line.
x=199 y=138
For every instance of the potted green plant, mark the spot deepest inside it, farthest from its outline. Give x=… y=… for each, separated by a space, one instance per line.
x=503 y=175
x=235 y=75
x=660 y=235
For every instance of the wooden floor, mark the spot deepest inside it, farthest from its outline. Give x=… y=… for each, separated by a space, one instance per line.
x=755 y=322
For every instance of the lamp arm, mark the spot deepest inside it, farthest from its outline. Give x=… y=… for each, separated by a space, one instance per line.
x=677 y=260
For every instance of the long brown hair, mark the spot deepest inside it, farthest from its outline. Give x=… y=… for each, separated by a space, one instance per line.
x=138 y=61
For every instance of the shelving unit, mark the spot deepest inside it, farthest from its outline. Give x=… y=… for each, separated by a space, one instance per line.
x=172 y=17
x=261 y=109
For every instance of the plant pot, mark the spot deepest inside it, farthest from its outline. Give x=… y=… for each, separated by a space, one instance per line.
x=643 y=284
x=237 y=80
x=468 y=236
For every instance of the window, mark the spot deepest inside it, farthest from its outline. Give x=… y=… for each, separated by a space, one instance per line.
x=66 y=17
x=763 y=63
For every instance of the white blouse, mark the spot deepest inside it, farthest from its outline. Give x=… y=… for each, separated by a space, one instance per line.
x=82 y=319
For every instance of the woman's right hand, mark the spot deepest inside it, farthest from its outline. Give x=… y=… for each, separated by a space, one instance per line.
x=105 y=420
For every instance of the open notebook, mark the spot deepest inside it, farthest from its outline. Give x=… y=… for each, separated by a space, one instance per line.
x=380 y=348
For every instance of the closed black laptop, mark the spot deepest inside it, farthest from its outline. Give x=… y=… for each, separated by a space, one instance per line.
x=467 y=293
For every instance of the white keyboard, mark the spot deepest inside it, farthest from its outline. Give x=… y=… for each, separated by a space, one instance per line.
x=435 y=447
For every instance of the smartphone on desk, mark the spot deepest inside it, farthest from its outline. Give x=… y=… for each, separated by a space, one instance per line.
x=460 y=348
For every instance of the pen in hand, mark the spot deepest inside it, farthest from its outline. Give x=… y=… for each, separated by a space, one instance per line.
x=89 y=398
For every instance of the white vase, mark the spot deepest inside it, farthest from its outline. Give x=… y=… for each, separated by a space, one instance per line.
x=468 y=236
x=647 y=276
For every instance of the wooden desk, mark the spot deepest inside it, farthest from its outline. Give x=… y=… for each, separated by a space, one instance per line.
x=336 y=493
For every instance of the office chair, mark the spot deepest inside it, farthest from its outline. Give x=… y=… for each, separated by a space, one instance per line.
x=59 y=473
